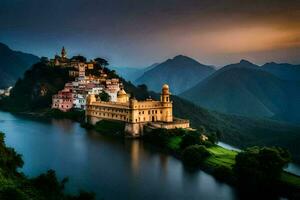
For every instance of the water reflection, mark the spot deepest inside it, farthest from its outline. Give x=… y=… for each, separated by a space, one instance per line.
x=112 y=168
x=135 y=153
x=65 y=125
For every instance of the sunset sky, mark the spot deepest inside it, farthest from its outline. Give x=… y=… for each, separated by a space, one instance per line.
x=137 y=33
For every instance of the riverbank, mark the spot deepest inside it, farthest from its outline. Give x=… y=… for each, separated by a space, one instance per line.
x=220 y=162
x=219 y=157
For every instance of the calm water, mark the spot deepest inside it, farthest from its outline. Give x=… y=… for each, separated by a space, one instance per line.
x=112 y=168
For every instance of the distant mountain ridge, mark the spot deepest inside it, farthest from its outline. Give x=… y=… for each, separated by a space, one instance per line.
x=181 y=73
x=13 y=64
x=248 y=90
x=284 y=71
x=131 y=73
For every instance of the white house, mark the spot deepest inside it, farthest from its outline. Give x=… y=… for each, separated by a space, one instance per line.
x=79 y=101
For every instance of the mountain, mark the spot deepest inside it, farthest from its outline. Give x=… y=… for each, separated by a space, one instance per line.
x=181 y=73
x=131 y=73
x=13 y=64
x=284 y=71
x=248 y=90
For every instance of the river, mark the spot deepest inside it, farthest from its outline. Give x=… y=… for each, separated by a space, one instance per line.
x=112 y=168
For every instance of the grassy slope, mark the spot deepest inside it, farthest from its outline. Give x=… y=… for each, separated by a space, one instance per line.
x=224 y=157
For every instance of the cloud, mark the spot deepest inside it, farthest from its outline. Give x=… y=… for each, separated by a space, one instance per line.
x=137 y=32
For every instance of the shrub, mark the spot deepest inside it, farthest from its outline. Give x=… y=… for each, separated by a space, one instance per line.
x=110 y=127
x=188 y=139
x=223 y=173
x=158 y=137
x=261 y=167
x=194 y=155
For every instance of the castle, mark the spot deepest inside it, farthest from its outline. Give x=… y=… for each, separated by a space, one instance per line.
x=136 y=114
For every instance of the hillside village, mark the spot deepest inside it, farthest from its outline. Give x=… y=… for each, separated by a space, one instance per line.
x=74 y=93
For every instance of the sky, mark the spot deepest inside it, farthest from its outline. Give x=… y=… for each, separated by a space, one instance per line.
x=138 y=33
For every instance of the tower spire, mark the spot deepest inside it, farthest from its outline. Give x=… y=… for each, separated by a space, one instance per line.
x=63 y=52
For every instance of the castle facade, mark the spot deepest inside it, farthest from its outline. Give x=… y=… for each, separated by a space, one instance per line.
x=136 y=114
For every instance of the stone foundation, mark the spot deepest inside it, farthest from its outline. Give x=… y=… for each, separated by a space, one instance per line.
x=133 y=130
x=92 y=120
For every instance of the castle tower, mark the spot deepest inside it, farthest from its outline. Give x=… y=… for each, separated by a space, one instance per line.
x=167 y=104
x=165 y=94
x=91 y=98
x=63 y=53
x=122 y=97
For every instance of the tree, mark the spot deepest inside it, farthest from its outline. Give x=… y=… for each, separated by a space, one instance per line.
x=44 y=59
x=102 y=62
x=10 y=160
x=104 y=96
x=79 y=58
x=194 y=155
x=212 y=137
x=223 y=173
x=190 y=138
x=49 y=185
x=261 y=167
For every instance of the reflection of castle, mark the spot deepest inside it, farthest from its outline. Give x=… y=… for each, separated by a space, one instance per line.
x=136 y=114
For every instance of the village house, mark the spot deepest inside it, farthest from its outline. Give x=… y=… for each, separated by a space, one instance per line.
x=63 y=100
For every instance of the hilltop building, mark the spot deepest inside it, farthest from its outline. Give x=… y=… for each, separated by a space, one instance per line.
x=136 y=114
x=74 y=93
x=63 y=61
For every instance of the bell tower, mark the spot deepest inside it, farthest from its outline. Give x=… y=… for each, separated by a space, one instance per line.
x=63 y=53
x=165 y=94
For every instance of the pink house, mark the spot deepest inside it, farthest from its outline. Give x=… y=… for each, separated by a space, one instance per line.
x=63 y=100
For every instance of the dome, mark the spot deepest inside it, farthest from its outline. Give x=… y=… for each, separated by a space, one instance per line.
x=165 y=87
x=121 y=92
